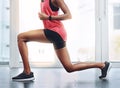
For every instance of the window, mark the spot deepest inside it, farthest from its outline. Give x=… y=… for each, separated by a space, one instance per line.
x=116 y=16
x=81 y=38
x=4 y=30
x=114 y=30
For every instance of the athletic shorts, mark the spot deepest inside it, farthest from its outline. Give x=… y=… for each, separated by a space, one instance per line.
x=55 y=38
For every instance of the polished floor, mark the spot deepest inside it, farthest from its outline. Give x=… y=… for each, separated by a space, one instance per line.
x=59 y=78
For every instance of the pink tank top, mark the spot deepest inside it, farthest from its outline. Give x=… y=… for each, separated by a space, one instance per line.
x=54 y=25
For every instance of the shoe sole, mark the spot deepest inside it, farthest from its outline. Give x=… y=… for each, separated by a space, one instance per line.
x=110 y=66
x=23 y=80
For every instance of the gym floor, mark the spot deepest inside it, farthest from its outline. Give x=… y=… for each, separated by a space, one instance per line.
x=59 y=78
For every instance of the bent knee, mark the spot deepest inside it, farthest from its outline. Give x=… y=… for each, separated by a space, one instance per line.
x=21 y=37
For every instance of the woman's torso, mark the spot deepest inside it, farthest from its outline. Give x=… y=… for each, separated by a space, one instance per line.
x=55 y=25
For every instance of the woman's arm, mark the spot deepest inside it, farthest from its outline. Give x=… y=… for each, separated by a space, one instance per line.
x=67 y=15
x=66 y=12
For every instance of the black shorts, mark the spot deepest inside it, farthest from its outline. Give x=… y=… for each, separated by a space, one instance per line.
x=55 y=38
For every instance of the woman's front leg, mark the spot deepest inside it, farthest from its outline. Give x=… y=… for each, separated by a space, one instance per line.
x=23 y=38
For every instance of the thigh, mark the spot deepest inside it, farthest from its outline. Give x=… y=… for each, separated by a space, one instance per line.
x=34 y=35
x=55 y=38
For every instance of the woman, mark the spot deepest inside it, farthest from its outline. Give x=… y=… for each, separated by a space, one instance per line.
x=53 y=32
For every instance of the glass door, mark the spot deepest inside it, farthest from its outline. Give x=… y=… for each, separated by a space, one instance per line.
x=114 y=30
x=80 y=30
x=4 y=31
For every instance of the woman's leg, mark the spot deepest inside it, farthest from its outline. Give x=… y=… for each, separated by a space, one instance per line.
x=34 y=35
x=65 y=60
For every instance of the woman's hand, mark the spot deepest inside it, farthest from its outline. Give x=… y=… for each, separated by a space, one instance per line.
x=43 y=16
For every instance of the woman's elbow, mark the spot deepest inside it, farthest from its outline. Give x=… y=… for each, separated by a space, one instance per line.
x=69 y=16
